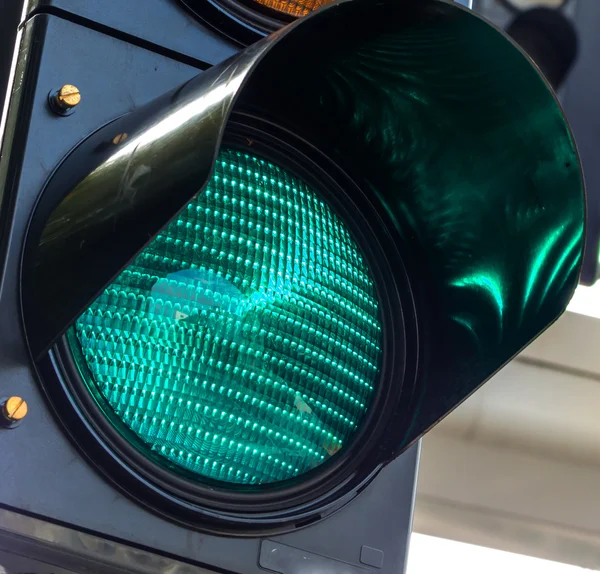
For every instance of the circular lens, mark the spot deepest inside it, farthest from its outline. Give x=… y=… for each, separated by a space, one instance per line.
x=244 y=344
x=294 y=8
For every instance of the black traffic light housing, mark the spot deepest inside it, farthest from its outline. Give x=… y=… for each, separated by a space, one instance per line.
x=128 y=59
x=471 y=200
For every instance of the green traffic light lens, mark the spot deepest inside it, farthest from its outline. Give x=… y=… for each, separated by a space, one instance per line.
x=244 y=344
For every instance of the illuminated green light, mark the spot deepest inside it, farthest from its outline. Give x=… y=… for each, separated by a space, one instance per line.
x=244 y=343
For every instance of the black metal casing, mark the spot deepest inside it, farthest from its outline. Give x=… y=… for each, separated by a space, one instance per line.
x=470 y=209
x=121 y=57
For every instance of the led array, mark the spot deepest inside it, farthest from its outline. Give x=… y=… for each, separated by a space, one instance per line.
x=244 y=343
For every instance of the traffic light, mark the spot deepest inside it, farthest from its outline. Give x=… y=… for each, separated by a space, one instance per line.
x=244 y=293
x=550 y=39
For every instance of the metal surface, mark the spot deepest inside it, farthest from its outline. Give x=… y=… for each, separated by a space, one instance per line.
x=284 y=559
x=163 y=26
x=11 y=13
x=81 y=497
x=491 y=282
x=55 y=545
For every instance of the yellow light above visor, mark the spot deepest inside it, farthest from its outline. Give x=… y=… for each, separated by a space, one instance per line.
x=296 y=8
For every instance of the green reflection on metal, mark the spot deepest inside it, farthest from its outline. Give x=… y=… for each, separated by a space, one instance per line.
x=467 y=323
x=244 y=343
x=548 y=242
x=571 y=254
x=486 y=282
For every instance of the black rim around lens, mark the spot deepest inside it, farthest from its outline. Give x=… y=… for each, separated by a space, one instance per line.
x=317 y=493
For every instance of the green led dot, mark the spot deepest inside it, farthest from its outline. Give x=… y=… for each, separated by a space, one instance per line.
x=244 y=343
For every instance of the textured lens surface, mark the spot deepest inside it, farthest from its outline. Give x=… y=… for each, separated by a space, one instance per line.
x=244 y=343
x=294 y=7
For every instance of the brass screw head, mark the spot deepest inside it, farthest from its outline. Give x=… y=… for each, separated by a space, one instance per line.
x=119 y=138
x=67 y=97
x=14 y=409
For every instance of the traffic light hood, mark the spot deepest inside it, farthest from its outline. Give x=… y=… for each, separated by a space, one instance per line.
x=448 y=131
